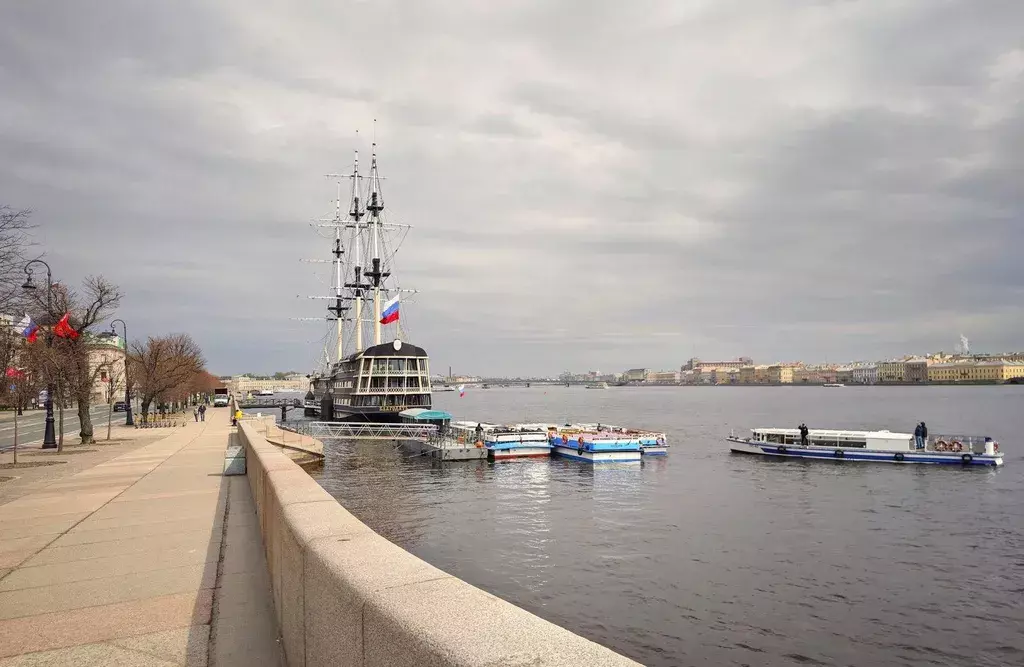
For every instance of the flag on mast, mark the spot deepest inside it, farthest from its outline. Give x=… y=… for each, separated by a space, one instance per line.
x=27 y=328
x=64 y=328
x=390 y=313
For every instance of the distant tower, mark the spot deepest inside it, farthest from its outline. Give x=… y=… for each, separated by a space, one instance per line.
x=965 y=345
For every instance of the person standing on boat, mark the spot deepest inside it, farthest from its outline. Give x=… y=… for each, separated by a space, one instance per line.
x=803 y=434
x=918 y=440
x=924 y=435
x=479 y=432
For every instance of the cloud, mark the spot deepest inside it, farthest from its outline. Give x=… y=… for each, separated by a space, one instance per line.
x=591 y=184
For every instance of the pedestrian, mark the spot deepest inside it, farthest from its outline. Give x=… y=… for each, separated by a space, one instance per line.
x=235 y=417
x=803 y=434
x=924 y=435
x=202 y=413
x=917 y=436
x=195 y=413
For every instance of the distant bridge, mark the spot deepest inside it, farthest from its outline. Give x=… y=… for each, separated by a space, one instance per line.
x=366 y=431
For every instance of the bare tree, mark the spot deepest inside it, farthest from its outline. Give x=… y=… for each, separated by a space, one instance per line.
x=162 y=366
x=15 y=242
x=98 y=301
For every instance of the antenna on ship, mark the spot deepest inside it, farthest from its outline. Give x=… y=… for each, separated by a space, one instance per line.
x=374 y=206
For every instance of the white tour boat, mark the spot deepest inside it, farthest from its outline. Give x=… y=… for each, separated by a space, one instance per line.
x=881 y=446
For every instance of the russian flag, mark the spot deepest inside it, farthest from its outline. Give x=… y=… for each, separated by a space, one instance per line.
x=28 y=329
x=390 y=313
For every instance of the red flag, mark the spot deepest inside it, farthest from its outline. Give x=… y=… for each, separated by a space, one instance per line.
x=64 y=329
x=15 y=374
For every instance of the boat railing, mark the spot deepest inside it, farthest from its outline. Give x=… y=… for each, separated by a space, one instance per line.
x=948 y=442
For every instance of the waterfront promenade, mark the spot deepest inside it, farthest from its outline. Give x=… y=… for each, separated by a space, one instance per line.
x=134 y=553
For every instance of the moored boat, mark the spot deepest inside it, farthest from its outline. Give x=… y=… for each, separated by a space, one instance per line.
x=594 y=446
x=877 y=446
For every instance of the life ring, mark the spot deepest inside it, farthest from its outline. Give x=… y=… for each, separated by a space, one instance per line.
x=967 y=458
x=957 y=446
x=940 y=446
x=661 y=442
x=780 y=449
x=898 y=457
x=995 y=446
x=565 y=439
x=580 y=441
x=479 y=443
x=839 y=453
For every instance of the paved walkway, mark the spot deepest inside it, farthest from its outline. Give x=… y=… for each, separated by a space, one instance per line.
x=149 y=558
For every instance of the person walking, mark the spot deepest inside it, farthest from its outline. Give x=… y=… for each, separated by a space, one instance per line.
x=235 y=417
x=195 y=413
x=918 y=440
x=924 y=435
x=202 y=413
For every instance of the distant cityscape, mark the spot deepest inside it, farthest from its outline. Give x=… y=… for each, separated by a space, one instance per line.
x=937 y=368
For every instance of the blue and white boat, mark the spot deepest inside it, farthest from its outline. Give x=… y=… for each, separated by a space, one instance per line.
x=878 y=446
x=516 y=442
x=595 y=447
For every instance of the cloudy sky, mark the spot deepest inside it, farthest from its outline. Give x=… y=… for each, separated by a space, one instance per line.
x=592 y=184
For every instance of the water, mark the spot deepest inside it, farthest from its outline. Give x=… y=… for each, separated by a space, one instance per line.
x=704 y=557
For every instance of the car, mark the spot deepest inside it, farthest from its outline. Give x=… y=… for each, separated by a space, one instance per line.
x=120 y=406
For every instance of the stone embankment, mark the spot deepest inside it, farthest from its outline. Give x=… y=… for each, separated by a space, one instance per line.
x=346 y=596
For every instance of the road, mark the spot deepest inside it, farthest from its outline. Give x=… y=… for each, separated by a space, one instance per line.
x=32 y=424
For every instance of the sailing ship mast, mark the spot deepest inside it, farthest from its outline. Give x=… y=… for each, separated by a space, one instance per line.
x=374 y=206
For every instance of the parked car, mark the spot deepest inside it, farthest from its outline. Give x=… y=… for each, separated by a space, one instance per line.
x=120 y=406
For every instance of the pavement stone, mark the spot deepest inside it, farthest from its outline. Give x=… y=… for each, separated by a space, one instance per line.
x=117 y=562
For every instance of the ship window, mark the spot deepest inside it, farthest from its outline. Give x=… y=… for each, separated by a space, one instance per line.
x=414 y=364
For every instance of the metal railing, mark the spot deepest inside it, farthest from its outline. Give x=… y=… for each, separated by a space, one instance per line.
x=365 y=431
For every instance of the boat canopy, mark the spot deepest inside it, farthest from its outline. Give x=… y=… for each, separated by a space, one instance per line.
x=422 y=414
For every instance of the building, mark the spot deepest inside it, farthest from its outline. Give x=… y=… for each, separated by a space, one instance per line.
x=106 y=364
x=635 y=375
x=815 y=374
x=916 y=370
x=779 y=374
x=726 y=376
x=865 y=374
x=244 y=384
x=894 y=370
x=663 y=377
x=976 y=371
x=745 y=374
x=844 y=374
x=697 y=365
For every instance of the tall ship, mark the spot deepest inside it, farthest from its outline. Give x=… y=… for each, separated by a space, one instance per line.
x=364 y=380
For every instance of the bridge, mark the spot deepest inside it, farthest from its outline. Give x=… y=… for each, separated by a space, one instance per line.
x=267 y=402
x=365 y=431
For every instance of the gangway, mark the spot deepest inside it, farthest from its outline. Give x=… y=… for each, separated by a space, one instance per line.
x=366 y=431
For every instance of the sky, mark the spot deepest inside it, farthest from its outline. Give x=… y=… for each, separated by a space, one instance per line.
x=592 y=184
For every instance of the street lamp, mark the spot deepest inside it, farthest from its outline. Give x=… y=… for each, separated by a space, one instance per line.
x=49 y=437
x=128 y=421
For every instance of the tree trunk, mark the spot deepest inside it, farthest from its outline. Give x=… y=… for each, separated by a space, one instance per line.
x=146 y=402
x=60 y=435
x=84 y=417
x=15 y=439
x=110 y=416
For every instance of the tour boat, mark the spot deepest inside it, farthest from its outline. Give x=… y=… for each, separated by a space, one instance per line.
x=500 y=442
x=265 y=392
x=881 y=446
x=597 y=385
x=595 y=446
x=511 y=442
x=652 y=443
x=833 y=384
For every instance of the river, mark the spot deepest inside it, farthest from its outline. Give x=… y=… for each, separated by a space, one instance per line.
x=705 y=557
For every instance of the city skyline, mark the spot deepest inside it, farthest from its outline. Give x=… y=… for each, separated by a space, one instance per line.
x=656 y=181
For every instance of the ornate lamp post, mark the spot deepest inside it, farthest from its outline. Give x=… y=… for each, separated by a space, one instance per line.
x=128 y=420
x=49 y=437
